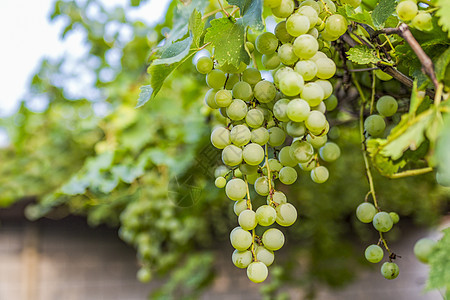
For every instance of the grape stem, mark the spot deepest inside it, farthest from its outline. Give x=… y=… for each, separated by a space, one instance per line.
x=384 y=243
x=269 y=175
x=216 y=11
x=372 y=95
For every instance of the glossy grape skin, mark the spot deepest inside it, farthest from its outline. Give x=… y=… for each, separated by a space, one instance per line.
x=242 y=259
x=310 y=13
x=308 y=166
x=237 y=110
x=336 y=25
x=302 y=151
x=239 y=206
x=287 y=55
x=286 y=214
x=251 y=75
x=264 y=255
x=240 y=239
x=387 y=106
x=281 y=32
x=266 y=43
x=242 y=90
x=262 y=186
x=317 y=141
x=204 y=65
x=266 y=215
x=253 y=154
x=288 y=175
x=295 y=129
x=390 y=270
x=247 y=219
x=273 y=239
x=395 y=217
x=276 y=136
x=330 y=152
x=326 y=68
x=312 y=93
x=365 y=212
x=284 y=10
x=240 y=135
x=265 y=91
x=331 y=102
x=374 y=254
x=277 y=197
x=319 y=174
x=326 y=87
x=291 y=84
x=254 y=118
x=257 y=272
x=260 y=136
x=297 y=24
x=382 y=222
x=280 y=110
x=423 y=249
x=305 y=46
x=236 y=189
x=220 y=182
x=232 y=155
x=210 y=99
x=374 y=125
x=223 y=98
x=407 y=10
x=423 y=21
x=216 y=79
x=306 y=68
x=270 y=61
x=220 y=137
x=316 y=121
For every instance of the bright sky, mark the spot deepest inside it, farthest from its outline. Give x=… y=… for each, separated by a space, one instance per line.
x=27 y=36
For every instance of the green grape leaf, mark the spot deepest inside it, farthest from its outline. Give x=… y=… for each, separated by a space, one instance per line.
x=228 y=39
x=174 y=53
x=382 y=12
x=196 y=27
x=362 y=55
x=441 y=156
x=416 y=100
x=362 y=17
x=144 y=95
x=441 y=64
x=444 y=15
x=384 y=164
x=439 y=261
x=251 y=12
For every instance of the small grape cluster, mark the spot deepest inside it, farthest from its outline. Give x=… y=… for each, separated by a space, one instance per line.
x=408 y=11
x=375 y=124
x=273 y=127
x=383 y=222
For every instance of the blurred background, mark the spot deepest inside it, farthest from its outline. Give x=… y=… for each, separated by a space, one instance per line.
x=100 y=200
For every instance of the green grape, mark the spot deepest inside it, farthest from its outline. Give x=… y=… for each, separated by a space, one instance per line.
x=232 y=80
x=209 y=99
x=275 y=165
x=216 y=79
x=423 y=21
x=291 y=83
x=286 y=214
x=336 y=25
x=144 y=275
x=314 y=32
x=295 y=129
x=276 y=136
x=330 y=6
x=309 y=12
x=311 y=3
x=280 y=110
x=223 y=98
x=251 y=75
x=266 y=215
x=374 y=125
x=273 y=239
x=297 y=24
x=250 y=46
x=319 y=174
x=253 y=154
x=285 y=9
x=365 y=212
x=257 y=271
x=287 y=55
x=312 y=93
x=240 y=135
x=319 y=54
x=282 y=34
x=326 y=68
x=326 y=87
x=331 y=102
x=330 y=152
x=280 y=73
x=242 y=90
x=272 y=3
x=260 y=136
x=321 y=107
x=308 y=166
x=306 y=68
x=237 y=110
x=232 y=155
x=247 y=219
x=204 y=65
x=262 y=186
x=382 y=222
x=395 y=217
x=220 y=137
x=270 y=61
x=305 y=46
x=220 y=182
x=288 y=175
x=277 y=197
x=390 y=270
x=354 y=3
x=387 y=106
x=265 y=256
x=316 y=121
x=239 y=206
x=236 y=189
x=442 y=178
x=407 y=10
x=240 y=239
x=326 y=36
x=423 y=249
x=237 y=172
x=285 y=157
x=374 y=254
x=242 y=259
x=221 y=171
x=266 y=43
x=247 y=169
x=301 y=151
x=317 y=141
x=254 y=118
x=265 y=91
x=382 y=75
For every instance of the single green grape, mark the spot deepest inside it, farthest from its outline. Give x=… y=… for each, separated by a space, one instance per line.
x=257 y=271
x=285 y=157
x=266 y=215
x=260 y=136
x=365 y=212
x=223 y=98
x=220 y=182
x=270 y=61
x=387 y=106
x=216 y=79
x=305 y=46
x=310 y=13
x=262 y=186
x=265 y=91
x=374 y=254
x=236 y=189
x=302 y=151
x=232 y=155
x=239 y=206
x=242 y=259
x=280 y=109
x=291 y=83
x=282 y=34
x=277 y=197
x=220 y=137
x=395 y=217
x=390 y=270
x=284 y=10
x=326 y=68
x=317 y=141
x=254 y=118
x=295 y=129
x=264 y=255
x=242 y=90
x=288 y=175
x=287 y=55
x=210 y=99
x=326 y=87
x=312 y=93
x=423 y=21
x=253 y=154
x=319 y=174
x=330 y=152
x=374 y=125
x=423 y=249
x=331 y=102
x=316 y=121
x=251 y=75
x=266 y=43
x=336 y=25
x=237 y=110
x=407 y=10
x=240 y=239
x=240 y=135
x=276 y=136
x=247 y=219
x=286 y=214
x=306 y=68
x=273 y=239
x=204 y=65
x=297 y=24
x=382 y=222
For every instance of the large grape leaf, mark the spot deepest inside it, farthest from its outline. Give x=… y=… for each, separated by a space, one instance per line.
x=440 y=264
x=251 y=12
x=362 y=55
x=441 y=64
x=384 y=164
x=442 y=156
x=362 y=16
x=444 y=15
x=228 y=38
x=382 y=12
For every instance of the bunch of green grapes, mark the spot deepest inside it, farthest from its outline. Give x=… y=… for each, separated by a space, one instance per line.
x=375 y=124
x=383 y=222
x=274 y=129
x=408 y=11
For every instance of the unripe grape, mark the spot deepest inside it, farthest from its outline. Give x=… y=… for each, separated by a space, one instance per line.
x=204 y=65
x=242 y=90
x=423 y=21
x=285 y=157
x=387 y=106
x=407 y=10
x=306 y=68
x=270 y=61
x=275 y=165
x=232 y=155
x=330 y=152
x=276 y=136
x=321 y=107
x=319 y=174
x=382 y=222
x=265 y=91
x=239 y=206
x=336 y=25
x=251 y=75
x=250 y=46
x=309 y=12
x=247 y=219
x=297 y=24
x=282 y=34
x=236 y=189
x=254 y=118
x=266 y=43
x=291 y=84
x=262 y=186
x=288 y=175
x=266 y=215
x=286 y=214
x=374 y=254
x=237 y=110
x=319 y=54
x=237 y=172
x=316 y=121
x=144 y=275
x=423 y=249
x=223 y=98
x=302 y=151
x=240 y=239
x=326 y=68
x=253 y=154
x=312 y=93
x=247 y=169
x=326 y=87
x=265 y=256
x=305 y=46
x=260 y=136
x=242 y=259
x=395 y=217
x=331 y=102
x=374 y=125
x=220 y=137
x=277 y=197
x=365 y=212
x=390 y=270
x=216 y=79
x=317 y=141
x=273 y=239
x=209 y=98
x=220 y=182
x=221 y=171
x=240 y=135
x=284 y=10
x=314 y=32
x=295 y=129
x=257 y=271
x=280 y=109
x=287 y=55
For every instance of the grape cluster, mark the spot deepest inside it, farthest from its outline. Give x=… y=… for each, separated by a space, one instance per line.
x=382 y=221
x=408 y=11
x=375 y=125
x=273 y=127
